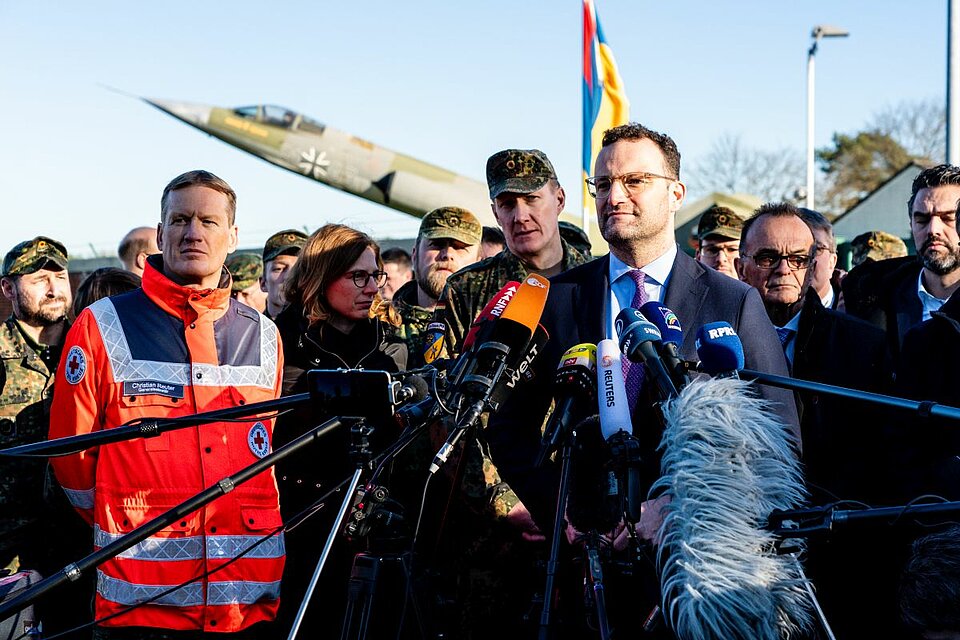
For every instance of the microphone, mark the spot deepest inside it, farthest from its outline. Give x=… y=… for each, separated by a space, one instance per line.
x=593 y=502
x=493 y=309
x=413 y=389
x=574 y=383
x=727 y=462
x=671 y=334
x=638 y=338
x=615 y=414
x=719 y=350
x=481 y=323
x=617 y=429
x=520 y=366
x=510 y=332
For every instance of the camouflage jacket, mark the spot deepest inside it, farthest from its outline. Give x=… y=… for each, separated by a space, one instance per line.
x=415 y=321
x=466 y=293
x=26 y=390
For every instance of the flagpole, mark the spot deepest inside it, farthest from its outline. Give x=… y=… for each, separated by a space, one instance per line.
x=585 y=218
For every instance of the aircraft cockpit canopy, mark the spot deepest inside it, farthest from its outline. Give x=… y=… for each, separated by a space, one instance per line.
x=280 y=117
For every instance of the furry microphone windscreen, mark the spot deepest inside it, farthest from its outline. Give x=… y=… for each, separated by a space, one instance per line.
x=727 y=463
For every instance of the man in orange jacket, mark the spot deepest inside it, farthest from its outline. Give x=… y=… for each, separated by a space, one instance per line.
x=175 y=347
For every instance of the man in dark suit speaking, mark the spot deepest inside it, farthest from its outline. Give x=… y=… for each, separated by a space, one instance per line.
x=638 y=192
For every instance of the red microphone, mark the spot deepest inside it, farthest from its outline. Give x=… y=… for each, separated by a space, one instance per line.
x=494 y=309
x=501 y=346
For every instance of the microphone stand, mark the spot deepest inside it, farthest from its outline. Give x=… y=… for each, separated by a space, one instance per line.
x=825 y=518
x=74 y=571
x=559 y=524
x=363 y=583
x=594 y=577
x=151 y=427
x=924 y=409
x=360 y=452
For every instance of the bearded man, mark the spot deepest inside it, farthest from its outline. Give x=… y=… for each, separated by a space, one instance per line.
x=899 y=293
x=448 y=240
x=36 y=283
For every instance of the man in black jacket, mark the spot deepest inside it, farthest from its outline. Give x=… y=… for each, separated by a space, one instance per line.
x=897 y=294
x=778 y=258
x=778 y=254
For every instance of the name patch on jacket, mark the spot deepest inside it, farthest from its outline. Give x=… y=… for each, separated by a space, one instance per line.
x=152 y=388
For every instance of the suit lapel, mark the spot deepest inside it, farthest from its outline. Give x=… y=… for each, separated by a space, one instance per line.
x=684 y=296
x=590 y=300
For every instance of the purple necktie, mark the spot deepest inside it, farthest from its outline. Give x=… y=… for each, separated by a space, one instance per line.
x=633 y=372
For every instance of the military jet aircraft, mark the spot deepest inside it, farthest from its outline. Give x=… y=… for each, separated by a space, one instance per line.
x=300 y=144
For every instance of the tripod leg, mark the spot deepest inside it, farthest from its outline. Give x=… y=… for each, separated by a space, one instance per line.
x=360 y=594
x=334 y=532
x=813 y=599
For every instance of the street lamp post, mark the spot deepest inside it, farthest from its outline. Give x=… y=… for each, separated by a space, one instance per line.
x=819 y=31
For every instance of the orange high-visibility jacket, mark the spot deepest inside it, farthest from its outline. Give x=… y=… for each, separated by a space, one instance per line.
x=166 y=351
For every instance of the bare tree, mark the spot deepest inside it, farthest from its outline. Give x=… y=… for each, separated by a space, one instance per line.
x=920 y=126
x=732 y=167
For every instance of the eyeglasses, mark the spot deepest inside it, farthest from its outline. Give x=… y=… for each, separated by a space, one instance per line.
x=714 y=251
x=360 y=278
x=599 y=186
x=770 y=260
x=823 y=247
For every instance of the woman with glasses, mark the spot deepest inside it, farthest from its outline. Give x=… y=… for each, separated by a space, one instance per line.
x=335 y=319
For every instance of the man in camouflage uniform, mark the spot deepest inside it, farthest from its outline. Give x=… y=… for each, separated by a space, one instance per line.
x=873 y=246
x=246 y=269
x=448 y=240
x=38 y=530
x=527 y=200
x=35 y=282
x=718 y=239
x=280 y=253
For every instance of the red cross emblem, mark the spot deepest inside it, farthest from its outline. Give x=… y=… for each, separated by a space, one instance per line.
x=259 y=440
x=76 y=365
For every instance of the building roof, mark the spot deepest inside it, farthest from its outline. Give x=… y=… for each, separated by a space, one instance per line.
x=743 y=204
x=883 y=209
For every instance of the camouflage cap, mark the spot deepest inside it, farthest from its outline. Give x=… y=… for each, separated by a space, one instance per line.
x=575 y=236
x=876 y=245
x=720 y=221
x=451 y=222
x=288 y=241
x=518 y=171
x=245 y=268
x=32 y=255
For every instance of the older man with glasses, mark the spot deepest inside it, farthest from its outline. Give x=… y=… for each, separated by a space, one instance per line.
x=779 y=254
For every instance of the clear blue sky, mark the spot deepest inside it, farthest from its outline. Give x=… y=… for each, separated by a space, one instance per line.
x=447 y=82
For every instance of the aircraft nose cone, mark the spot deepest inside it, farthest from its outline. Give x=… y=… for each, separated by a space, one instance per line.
x=195 y=114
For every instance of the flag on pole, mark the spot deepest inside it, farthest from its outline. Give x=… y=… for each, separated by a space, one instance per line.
x=605 y=103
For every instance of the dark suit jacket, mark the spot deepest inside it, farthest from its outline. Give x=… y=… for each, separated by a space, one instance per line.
x=838 y=349
x=843 y=450
x=884 y=293
x=928 y=449
x=575 y=314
